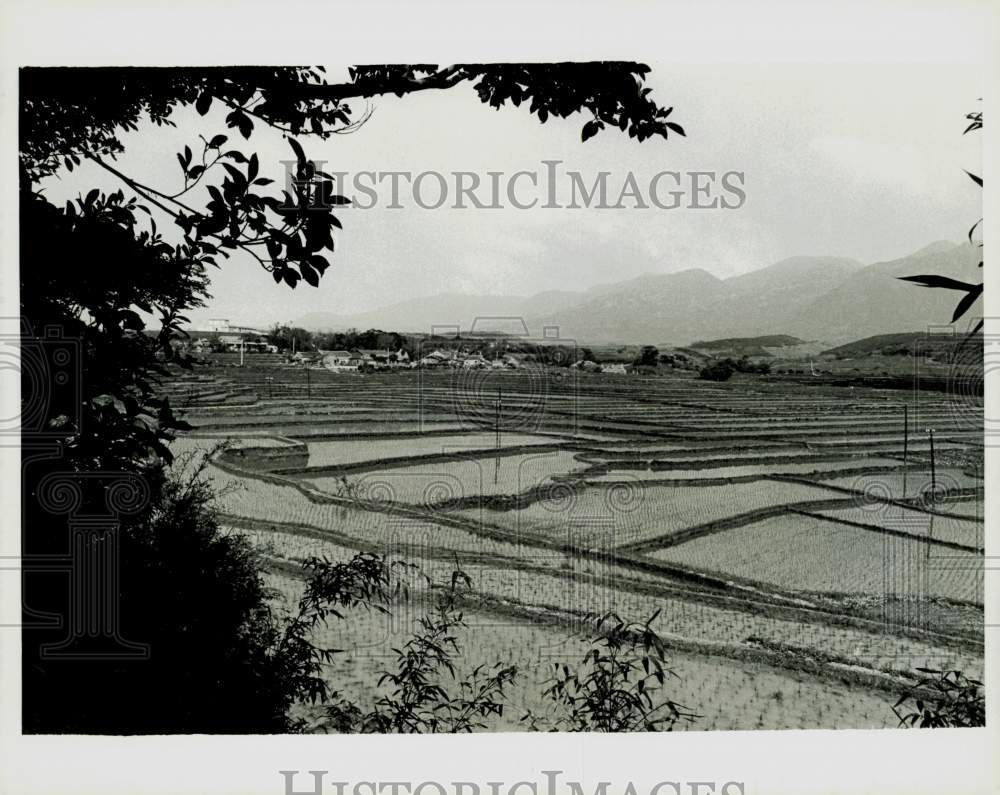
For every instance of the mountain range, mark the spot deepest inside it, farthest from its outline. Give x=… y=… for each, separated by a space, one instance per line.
x=817 y=298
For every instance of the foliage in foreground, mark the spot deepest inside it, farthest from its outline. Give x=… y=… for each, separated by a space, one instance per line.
x=973 y=290
x=942 y=699
x=618 y=687
x=92 y=272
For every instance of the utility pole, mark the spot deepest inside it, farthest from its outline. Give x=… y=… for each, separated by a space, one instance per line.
x=930 y=528
x=308 y=383
x=933 y=471
x=906 y=443
x=496 y=470
x=241 y=350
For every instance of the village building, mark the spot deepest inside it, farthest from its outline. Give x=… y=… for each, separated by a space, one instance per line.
x=437 y=358
x=475 y=361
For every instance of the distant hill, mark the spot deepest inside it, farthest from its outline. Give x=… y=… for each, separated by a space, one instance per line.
x=874 y=301
x=735 y=343
x=938 y=346
x=830 y=299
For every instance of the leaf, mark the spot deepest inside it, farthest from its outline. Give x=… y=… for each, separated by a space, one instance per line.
x=966 y=303
x=299 y=154
x=253 y=168
x=235 y=173
x=974 y=226
x=938 y=281
x=676 y=128
x=217 y=141
x=309 y=274
x=245 y=125
x=974 y=178
x=203 y=103
x=589 y=130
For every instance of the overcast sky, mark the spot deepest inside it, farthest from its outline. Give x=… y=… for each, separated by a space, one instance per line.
x=861 y=161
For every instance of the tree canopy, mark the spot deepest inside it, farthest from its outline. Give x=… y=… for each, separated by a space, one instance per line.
x=71 y=115
x=96 y=268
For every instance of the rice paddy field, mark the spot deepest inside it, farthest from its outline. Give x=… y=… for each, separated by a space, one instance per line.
x=781 y=531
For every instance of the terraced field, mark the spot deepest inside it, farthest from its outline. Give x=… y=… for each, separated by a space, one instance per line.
x=439 y=483
x=631 y=514
x=797 y=584
x=339 y=452
x=804 y=553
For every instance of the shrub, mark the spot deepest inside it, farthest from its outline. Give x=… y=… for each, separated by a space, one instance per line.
x=717 y=371
x=196 y=597
x=942 y=699
x=618 y=686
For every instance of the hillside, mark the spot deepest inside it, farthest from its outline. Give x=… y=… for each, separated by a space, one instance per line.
x=938 y=346
x=830 y=299
x=874 y=301
x=736 y=343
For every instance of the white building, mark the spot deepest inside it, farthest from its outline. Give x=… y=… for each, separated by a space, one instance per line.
x=475 y=361
x=342 y=361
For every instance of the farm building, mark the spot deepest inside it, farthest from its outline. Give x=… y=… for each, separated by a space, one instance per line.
x=437 y=358
x=340 y=361
x=475 y=361
x=306 y=357
x=387 y=358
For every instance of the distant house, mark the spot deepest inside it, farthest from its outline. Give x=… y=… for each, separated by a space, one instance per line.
x=306 y=357
x=340 y=360
x=616 y=368
x=475 y=361
x=230 y=342
x=437 y=358
x=234 y=343
x=376 y=356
